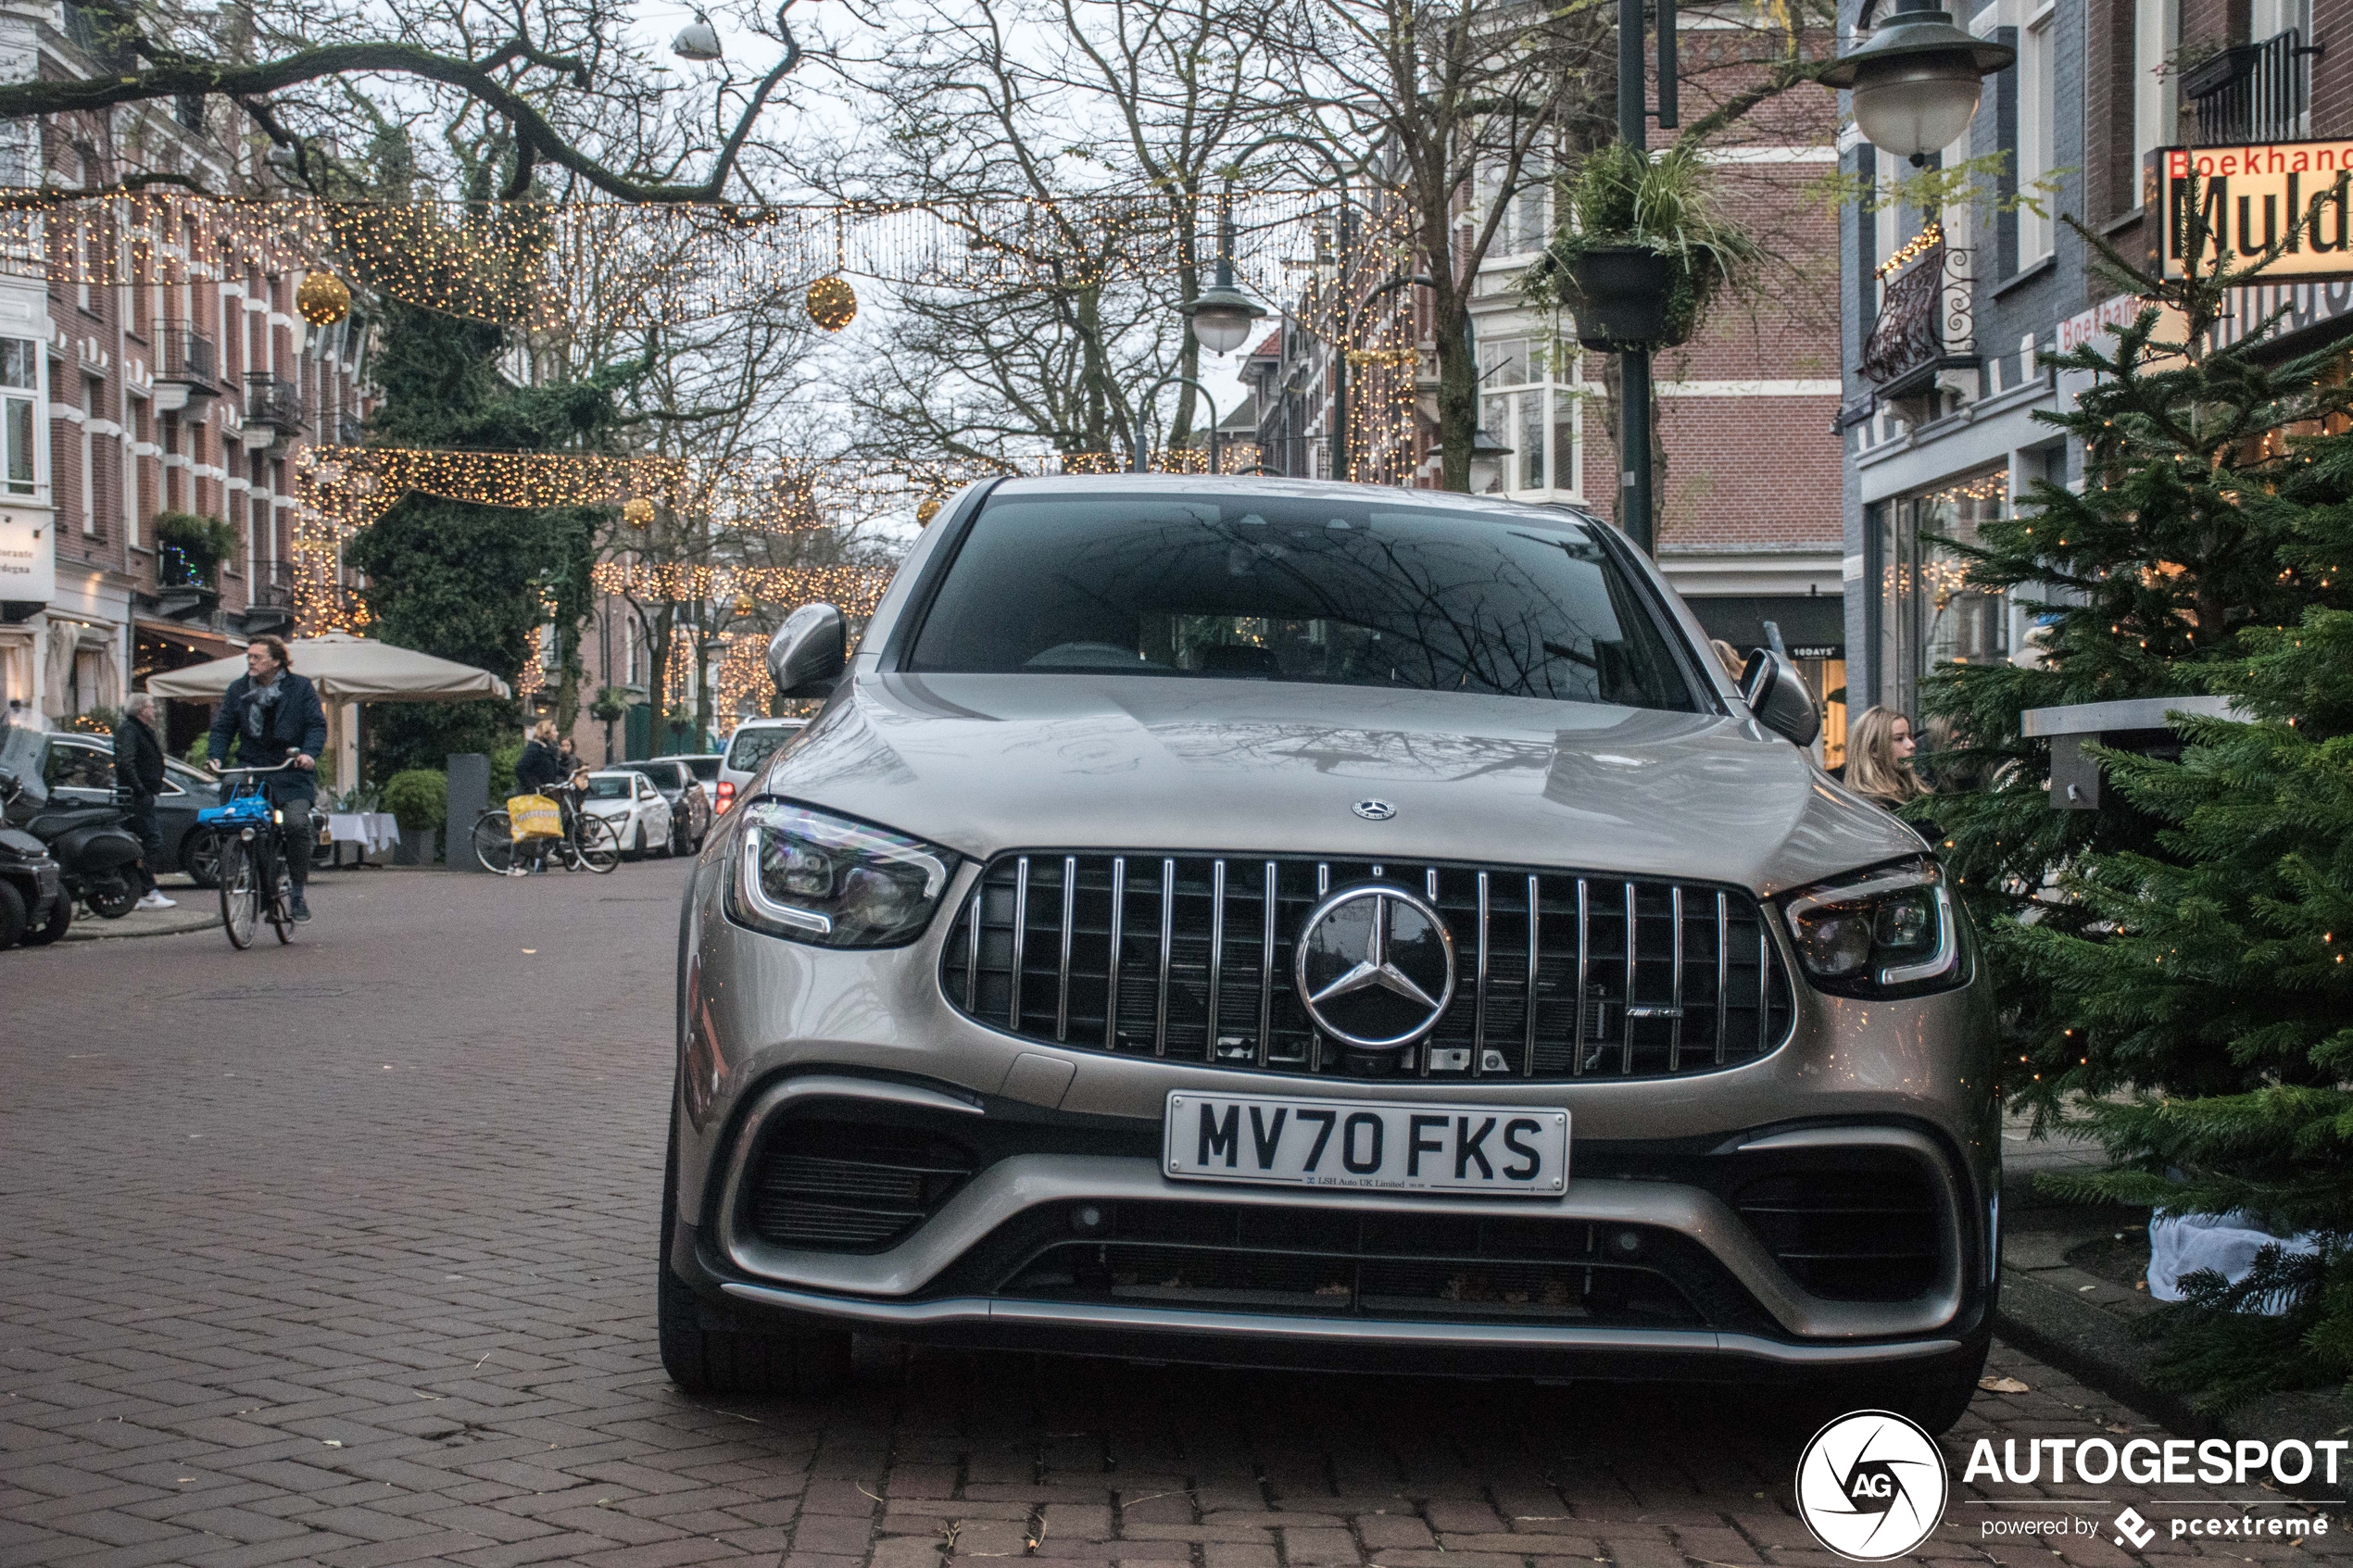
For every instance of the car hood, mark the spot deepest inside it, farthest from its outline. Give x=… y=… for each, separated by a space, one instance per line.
x=987 y=763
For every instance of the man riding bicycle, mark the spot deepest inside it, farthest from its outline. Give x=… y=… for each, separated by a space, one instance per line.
x=270 y=715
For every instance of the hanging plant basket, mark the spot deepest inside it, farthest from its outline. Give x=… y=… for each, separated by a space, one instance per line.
x=1623 y=294
x=1644 y=252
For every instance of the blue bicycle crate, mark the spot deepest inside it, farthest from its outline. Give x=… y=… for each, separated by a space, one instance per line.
x=244 y=809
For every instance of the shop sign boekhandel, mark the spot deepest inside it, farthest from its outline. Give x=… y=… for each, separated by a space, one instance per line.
x=27 y=556
x=2252 y=197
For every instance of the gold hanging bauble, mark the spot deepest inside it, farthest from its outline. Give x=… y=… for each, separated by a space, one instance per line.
x=323 y=299
x=637 y=512
x=926 y=510
x=833 y=304
x=744 y=605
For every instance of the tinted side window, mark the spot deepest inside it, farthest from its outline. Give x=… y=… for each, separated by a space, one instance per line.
x=752 y=749
x=69 y=766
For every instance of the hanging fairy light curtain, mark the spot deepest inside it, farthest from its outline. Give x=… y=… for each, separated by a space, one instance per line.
x=526 y=263
x=854 y=589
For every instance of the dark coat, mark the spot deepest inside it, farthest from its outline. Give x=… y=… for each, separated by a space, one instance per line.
x=298 y=724
x=138 y=763
x=538 y=767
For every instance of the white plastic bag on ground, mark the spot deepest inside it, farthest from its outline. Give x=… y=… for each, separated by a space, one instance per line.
x=2183 y=1244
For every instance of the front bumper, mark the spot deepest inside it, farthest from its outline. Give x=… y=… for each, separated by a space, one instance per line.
x=977 y=1267
x=774 y=1034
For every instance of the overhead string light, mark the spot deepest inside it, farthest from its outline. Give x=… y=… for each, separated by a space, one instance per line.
x=545 y=264
x=342 y=490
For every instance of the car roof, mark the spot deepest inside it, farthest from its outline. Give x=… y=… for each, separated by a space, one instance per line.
x=1192 y=486
x=766 y=723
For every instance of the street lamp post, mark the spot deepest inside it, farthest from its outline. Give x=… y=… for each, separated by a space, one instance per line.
x=1136 y=446
x=1342 y=239
x=1634 y=507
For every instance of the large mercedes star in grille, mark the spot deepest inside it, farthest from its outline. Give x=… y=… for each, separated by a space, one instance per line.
x=1375 y=967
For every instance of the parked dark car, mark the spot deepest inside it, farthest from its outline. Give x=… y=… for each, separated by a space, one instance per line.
x=689 y=807
x=71 y=766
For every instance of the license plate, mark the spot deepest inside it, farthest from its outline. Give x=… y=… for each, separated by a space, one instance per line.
x=1492 y=1150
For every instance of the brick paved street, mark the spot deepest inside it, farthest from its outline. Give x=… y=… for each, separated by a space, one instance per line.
x=343 y=1254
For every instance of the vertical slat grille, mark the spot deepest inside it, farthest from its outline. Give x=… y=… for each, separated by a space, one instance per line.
x=1189 y=958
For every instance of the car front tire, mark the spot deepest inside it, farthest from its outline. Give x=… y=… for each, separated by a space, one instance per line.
x=719 y=1363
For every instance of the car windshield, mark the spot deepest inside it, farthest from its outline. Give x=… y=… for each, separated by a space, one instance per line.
x=659 y=773
x=1288 y=588
x=752 y=749
x=704 y=768
x=603 y=786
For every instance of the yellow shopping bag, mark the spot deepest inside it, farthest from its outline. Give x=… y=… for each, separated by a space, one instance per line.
x=534 y=816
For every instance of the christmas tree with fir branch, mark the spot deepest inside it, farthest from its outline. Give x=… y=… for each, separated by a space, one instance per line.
x=2169 y=963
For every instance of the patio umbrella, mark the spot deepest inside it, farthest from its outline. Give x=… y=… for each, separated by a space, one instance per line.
x=347 y=668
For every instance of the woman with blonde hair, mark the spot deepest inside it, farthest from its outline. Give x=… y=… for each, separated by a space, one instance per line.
x=1878 y=758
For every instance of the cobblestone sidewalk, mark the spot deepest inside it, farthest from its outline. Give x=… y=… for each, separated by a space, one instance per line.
x=341 y=1254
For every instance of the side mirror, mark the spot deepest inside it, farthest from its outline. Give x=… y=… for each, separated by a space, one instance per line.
x=1776 y=694
x=809 y=652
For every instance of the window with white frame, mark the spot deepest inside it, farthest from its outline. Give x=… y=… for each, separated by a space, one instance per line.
x=134 y=431
x=19 y=406
x=2156 y=109
x=2037 y=122
x=1531 y=386
x=93 y=410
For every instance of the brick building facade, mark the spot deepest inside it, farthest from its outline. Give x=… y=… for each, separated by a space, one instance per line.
x=1945 y=329
x=125 y=402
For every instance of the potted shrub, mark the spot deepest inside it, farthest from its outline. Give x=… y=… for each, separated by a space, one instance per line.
x=419 y=801
x=189 y=549
x=1644 y=252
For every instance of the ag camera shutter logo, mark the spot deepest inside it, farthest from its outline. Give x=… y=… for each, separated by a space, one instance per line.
x=1871 y=1485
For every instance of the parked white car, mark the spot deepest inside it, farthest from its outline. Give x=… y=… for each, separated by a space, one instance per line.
x=749 y=749
x=640 y=817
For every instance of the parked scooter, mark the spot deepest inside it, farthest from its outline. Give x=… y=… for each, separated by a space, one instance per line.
x=34 y=907
x=94 y=852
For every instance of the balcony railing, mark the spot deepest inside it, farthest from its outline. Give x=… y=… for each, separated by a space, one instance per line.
x=1924 y=323
x=183 y=354
x=271 y=586
x=2253 y=91
x=273 y=402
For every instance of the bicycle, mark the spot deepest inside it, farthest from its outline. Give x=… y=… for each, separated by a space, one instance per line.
x=589 y=842
x=252 y=857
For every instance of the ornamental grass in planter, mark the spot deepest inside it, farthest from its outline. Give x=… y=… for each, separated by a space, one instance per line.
x=1644 y=252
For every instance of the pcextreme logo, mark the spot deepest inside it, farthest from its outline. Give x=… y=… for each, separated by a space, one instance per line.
x=1871 y=1485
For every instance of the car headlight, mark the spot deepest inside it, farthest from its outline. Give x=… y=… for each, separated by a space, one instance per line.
x=811 y=876
x=1891 y=932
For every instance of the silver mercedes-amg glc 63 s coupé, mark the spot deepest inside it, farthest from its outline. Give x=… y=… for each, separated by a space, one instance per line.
x=1270 y=922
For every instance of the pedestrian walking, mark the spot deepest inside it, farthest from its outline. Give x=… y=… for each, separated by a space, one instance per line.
x=270 y=715
x=138 y=780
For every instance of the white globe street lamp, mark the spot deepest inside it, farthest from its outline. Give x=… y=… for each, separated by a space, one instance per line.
x=697 y=41
x=1223 y=315
x=1917 y=80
